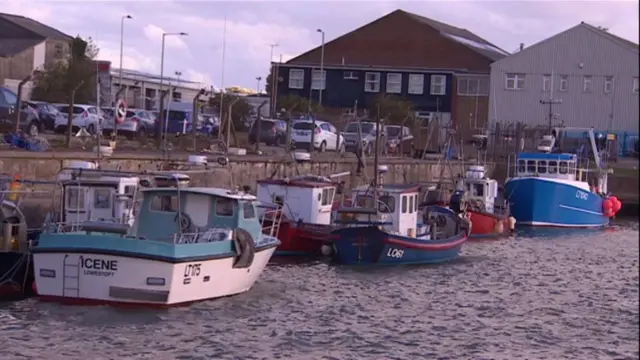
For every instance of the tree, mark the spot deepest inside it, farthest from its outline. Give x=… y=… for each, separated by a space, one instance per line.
x=240 y=112
x=394 y=109
x=58 y=80
x=297 y=104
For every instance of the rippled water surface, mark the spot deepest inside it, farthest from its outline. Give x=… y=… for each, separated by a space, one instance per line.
x=547 y=296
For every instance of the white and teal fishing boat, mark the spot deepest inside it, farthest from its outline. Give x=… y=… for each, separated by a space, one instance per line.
x=186 y=244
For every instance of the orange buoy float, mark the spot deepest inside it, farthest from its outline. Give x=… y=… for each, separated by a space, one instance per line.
x=14 y=187
x=607 y=205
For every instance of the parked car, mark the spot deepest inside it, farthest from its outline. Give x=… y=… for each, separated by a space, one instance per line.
x=87 y=116
x=272 y=132
x=137 y=123
x=46 y=112
x=399 y=140
x=368 y=131
x=325 y=138
x=29 y=121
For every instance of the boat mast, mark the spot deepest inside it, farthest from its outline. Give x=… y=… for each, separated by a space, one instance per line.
x=375 y=163
x=551 y=101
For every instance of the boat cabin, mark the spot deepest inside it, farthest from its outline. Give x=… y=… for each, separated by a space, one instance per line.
x=196 y=215
x=305 y=199
x=480 y=189
x=549 y=165
x=89 y=194
x=397 y=206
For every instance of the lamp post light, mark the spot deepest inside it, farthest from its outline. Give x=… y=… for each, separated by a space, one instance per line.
x=115 y=123
x=162 y=118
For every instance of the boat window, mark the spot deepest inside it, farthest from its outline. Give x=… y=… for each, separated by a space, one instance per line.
x=75 y=198
x=542 y=167
x=165 y=203
x=248 y=211
x=531 y=166
x=225 y=206
x=364 y=201
x=415 y=201
x=102 y=198
x=129 y=189
x=553 y=167
x=278 y=200
x=478 y=190
x=572 y=167
x=562 y=169
x=404 y=204
x=521 y=166
x=411 y=209
x=386 y=204
x=327 y=196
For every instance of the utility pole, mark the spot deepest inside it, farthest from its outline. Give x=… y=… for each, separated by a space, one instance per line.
x=551 y=102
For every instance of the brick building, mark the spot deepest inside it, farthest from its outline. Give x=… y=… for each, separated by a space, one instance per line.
x=442 y=69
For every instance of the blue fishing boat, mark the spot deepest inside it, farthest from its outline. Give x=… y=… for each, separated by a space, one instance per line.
x=395 y=231
x=185 y=245
x=549 y=188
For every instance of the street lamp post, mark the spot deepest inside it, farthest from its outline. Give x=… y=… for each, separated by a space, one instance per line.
x=322 y=77
x=272 y=99
x=258 y=87
x=161 y=107
x=115 y=123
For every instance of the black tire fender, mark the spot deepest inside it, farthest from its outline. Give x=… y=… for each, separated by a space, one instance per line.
x=245 y=249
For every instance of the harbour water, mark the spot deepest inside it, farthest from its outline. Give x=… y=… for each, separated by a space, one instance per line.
x=559 y=295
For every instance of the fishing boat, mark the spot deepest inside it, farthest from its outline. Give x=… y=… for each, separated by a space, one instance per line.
x=308 y=206
x=385 y=227
x=185 y=245
x=548 y=188
x=395 y=231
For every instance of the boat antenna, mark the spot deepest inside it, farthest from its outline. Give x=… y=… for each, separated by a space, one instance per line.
x=375 y=163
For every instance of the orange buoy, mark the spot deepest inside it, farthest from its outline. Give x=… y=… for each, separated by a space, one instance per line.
x=14 y=187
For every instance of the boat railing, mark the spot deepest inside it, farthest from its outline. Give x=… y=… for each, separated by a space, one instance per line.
x=199 y=237
x=62 y=227
x=271 y=220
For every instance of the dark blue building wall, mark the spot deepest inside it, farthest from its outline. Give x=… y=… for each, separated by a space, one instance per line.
x=342 y=93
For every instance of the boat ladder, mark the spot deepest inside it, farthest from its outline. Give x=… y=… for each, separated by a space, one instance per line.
x=70 y=277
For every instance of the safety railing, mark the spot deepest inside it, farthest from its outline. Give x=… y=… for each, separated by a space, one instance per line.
x=200 y=237
x=271 y=219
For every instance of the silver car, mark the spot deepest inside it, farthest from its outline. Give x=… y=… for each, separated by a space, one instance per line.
x=137 y=123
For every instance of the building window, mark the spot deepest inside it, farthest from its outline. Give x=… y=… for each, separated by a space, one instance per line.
x=546 y=83
x=416 y=84
x=438 y=85
x=319 y=79
x=350 y=75
x=514 y=81
x=372 y=82
x=473 y=86
x=58 y=51
x=608 y=84
x=636 y=85
x=296 y=79
x=564 y=83
x=394 y=83
x=586 y=83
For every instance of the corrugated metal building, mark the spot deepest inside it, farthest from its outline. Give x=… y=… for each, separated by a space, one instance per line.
x=592 y=72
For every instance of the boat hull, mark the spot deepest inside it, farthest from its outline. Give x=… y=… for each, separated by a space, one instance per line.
x=370 y=245
x=302 y=239
x=550 y=202
x=16 y=275
x=89 y=278
x=486 y=225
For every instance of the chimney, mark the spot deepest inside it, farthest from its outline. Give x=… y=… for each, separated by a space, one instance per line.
x=521 y=46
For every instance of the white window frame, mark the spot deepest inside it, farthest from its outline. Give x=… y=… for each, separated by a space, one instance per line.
x=608 y=84
x=350 y=75
x=438 y=85
x=636 y=85
x=296 y=78
x=395 y=80
x=468 y=80
x=375 y=83
x=517 y=81
x=546 y=83
x=587 y=83
x=318 y=79
x=563 y=84
x=415 y=85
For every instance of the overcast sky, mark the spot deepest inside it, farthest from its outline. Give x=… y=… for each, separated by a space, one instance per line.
x=253 y=25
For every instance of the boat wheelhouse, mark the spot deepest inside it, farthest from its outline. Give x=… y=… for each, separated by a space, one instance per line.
x=185 y=245
x=559 y=189
x=307 y=211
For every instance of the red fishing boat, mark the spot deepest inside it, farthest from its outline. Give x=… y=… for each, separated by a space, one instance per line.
x=308 y=204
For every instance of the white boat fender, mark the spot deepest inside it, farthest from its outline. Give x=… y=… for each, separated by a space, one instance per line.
x=512 y=224
x=245 y=249
x=499 y=227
